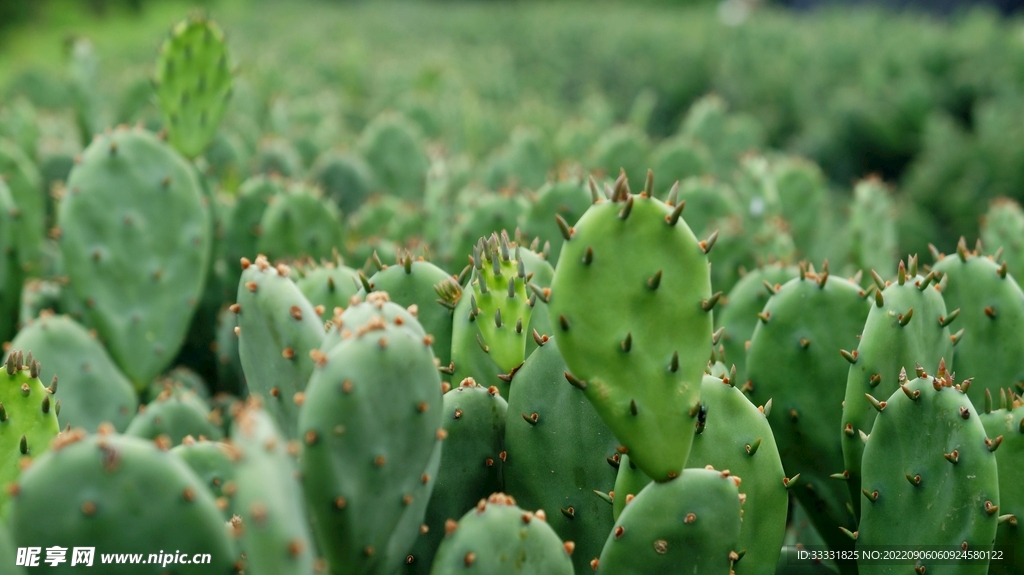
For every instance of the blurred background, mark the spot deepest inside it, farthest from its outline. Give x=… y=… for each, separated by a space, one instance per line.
x=928 y=95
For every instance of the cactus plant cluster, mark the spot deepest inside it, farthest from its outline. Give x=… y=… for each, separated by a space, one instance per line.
x=582 y=377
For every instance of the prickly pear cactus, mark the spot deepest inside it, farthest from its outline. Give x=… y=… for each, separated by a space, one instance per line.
x=8 y=553
x=1002 y=227
x=345 y=178
x=677 y=159
x=733 y=434
x=92 y=389
x=193 y=84
x=411 y=283
x=628 y=482
x=929 y=479
x=211 y=462
x=873 y=232
x=1005 y=430
x=794 y=362
x=559 y=453
x=135 y=240
x=391 y=145
x=11 y=274
x=568 y=200
x=499 y=538
x=738 y=316
x=28 y=417
x=688 y=525
x=125 y=494
x=370 y=419
x=471 y=460
x=640 y=355
x=328 y=286
x=242 y=222
x=274 y=532
x=621 y=148
x=991 y=315
x=906 y=327
x=28 y=218
x=178 y=380
x=171 y=417
x=492 y=316
x=802 y=191
x=277 y=329
x=299 y=223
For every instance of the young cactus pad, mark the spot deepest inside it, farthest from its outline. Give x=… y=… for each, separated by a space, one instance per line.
x=28 y=417
x=631 y=307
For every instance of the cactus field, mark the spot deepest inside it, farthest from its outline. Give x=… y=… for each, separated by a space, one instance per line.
x=266 y=312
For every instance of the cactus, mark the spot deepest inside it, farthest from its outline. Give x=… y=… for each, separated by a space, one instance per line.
x=11 y=274
x=19 y=122
x=688 y=525
x=277 y=330
x=628 y=482
x=484 y=213
x=566 y=199
x=278 y=157
x=392 y=147
x=171 y=417
x=28 y=417
x=639 y=358
x=328 y=286
x=211 y=462
x=37 y=297
x=678 y=159
x=492 y=316
x=345 y=178
x=125 y=494
x=274 y=532
x=991 y=314
x=499 y=538
x=471 y=461
x=523 y=163
x=726 y=135
x=229 y=366
x=906 y=327
x=733 y=434
x=370 y=419
x=559 y=453
x=92 y=389
x=135 y=240
x=28 y=217
x=411 y=283
x=299 y=223
x=181 y=379
x=242 y=222
x=738 y=316
x=1005 y=430
x=802 y=195
x=1002 y=227
x=794 y=360
x=621 y=148
x=929 y=478
x=872 y=228
x=193 y=84
x=8 y=553
x=374 y=308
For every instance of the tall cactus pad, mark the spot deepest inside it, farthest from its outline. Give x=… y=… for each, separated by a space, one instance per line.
x=299 y=223
x=11 y=275
x=211 y=462
x=559 y=453
x=628 y=482
x=277 y=328
x=794 y=361
x=275 y=533
x=873 y=231
x=28 y=417
x=135 y=238
x=369 y=422
x=688 y=525
x=1005 y=427
x=631 y=306
x=733 y=434
x=28 y=219
x=92 y=389
x=1002 y=227
x=906 y=327
x=991 y=306
x=242 y=222
x=499 y=538
x=929 y=479
x=471 y=462
x=124 y=495
x=193 y=84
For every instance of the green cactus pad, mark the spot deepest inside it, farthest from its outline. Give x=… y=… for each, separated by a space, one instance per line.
x=28 y=418
x=92 y=389
x=1002 y=227
x=733 y=434
x=345 y=178
x=299 y=223
x=277 y=329
x=904 y=329
x=328 y=286
x=242 y=222
x=628 y=482
x=392 y=147
x=125 y=495
x=872 y=228
x=135 y=239
x=929 y=479
x=193 y=84
x=25 y=183
x=559 y=460
x=11 y=274
x=171 y=417
x=211 y=462
x=631 y=306
x=567 y=199
x=275 y=532
x=1007 y=423
x=499 y=538
x=688 y=525
x=369 y=422
x=794 y=362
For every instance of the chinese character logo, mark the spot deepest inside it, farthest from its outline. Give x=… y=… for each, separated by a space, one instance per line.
x=83 y=556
